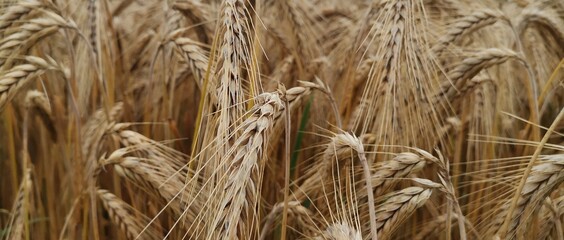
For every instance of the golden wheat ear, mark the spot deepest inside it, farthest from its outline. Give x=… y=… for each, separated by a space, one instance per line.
x=19 y=76
x=20 y=225
x=132 y=223
x=397 y=208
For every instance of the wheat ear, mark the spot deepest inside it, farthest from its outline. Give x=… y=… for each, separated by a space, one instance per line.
x=397 y=208
x=340 y=231
x=131 y=222
x=19 y=223
x=19 y=76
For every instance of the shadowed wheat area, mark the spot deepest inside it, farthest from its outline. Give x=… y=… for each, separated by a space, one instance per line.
x=282 y=119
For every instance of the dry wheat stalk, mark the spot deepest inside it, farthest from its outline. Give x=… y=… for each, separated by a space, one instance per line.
x=134 y=224
x=340 y=231
x=12 y=81
x=398 y=207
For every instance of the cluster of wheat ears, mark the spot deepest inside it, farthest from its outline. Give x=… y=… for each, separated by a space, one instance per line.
x=281 y=119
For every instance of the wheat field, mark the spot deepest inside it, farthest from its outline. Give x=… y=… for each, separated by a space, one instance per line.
x=282 y=119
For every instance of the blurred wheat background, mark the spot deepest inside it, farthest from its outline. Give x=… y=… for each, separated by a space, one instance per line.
x=281 y=119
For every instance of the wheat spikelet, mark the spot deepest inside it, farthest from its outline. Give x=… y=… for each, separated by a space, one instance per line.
x=19 y=76
x=340 y=231
x=131 y=222
x=397 y=208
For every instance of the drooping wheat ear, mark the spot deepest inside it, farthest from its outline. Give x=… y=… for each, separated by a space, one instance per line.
x=92 y=135
x=547 y=18
x=199 y=14
x=153 y=175
x=340 y=231
x=466 y=25
x=397 y=208
x=471 y=66
x=197 y=59
x=300 y=47
x=550 y=215
x=134 y=224
x=39 y=103
x=17 y=11
x=240 y=190
x=390 y=172
x=298 y=214
x=281 y=73
x=337 y=154
x=19 y=41
x=12 y=81
x=542 y=180
x=20 y=220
